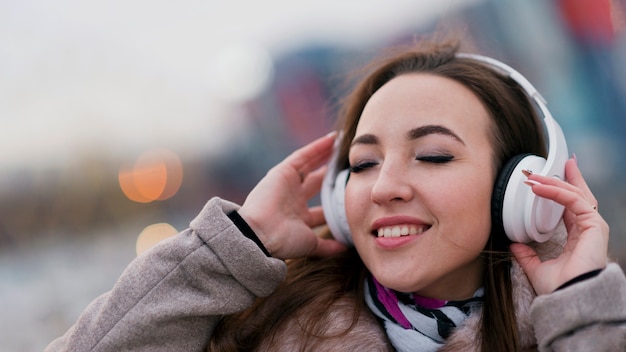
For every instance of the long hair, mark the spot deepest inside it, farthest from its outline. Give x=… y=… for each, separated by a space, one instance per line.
x=313 y=284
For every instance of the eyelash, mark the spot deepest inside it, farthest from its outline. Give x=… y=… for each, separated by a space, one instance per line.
x=435 y=159
x=362 y=166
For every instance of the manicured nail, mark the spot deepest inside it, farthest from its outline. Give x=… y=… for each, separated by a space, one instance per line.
x=527 y=172
x=532 y=182
x=331 y=134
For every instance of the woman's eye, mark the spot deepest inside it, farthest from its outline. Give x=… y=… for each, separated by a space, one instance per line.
x=436 y=159
x=361 y=166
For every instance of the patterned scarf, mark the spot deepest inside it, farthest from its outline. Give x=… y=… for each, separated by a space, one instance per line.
x=415 y=323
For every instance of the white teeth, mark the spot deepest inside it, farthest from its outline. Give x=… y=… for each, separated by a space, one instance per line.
x=400 y=230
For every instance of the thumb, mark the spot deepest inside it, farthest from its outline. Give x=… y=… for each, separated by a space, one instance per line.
x=328 y=247
x=527 y=258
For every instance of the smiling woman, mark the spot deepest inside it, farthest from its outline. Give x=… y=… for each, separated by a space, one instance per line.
x=426 y=138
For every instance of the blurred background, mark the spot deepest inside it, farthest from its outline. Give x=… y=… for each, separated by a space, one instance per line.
x=120 y=119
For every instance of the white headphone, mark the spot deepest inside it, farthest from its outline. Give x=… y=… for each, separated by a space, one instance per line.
x=524 y=216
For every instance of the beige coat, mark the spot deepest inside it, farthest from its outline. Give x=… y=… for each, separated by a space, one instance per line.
x=171 y=298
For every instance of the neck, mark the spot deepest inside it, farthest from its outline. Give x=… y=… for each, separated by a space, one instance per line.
x=459 y=285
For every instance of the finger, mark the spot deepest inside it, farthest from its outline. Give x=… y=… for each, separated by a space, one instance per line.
x=327 y=248
x=574 y=181
x=574 y=176
x=572 y=200
x=312 y=155
x=569 y=220
x=526 y=257
x=313 y=182
x=316 y=217
x=553 y=181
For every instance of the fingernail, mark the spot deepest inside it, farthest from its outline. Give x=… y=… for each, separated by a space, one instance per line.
x=575 y=158
x=532 y=182
x=331 y=134
x=527 y=172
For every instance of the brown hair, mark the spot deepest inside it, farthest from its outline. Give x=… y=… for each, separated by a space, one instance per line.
x=313 y=284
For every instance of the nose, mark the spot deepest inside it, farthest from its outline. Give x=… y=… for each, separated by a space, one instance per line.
x=392 y=184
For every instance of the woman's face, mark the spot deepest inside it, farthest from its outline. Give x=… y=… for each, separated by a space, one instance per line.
x=419 y=195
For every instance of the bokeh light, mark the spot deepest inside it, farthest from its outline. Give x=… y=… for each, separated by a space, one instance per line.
x=156 y=175
x=152 y=235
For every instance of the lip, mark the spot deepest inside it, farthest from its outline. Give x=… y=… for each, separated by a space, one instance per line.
x=396 y=220
x=391 y=243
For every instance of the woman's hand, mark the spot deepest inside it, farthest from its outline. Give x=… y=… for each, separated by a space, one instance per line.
x=276 y=209
x=586 y=248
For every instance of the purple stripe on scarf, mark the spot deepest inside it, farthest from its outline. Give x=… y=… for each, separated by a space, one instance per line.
x=428 y=303
x=389 y=299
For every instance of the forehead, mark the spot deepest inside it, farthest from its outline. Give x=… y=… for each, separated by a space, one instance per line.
x=416 y=99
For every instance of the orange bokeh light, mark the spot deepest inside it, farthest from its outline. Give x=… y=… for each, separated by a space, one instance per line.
x=152 y=235
x=155 y=175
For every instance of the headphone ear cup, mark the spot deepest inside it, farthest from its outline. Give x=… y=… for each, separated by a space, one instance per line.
x=333 y=204
x=525 y=217
x=499 y=191
x=333 y=198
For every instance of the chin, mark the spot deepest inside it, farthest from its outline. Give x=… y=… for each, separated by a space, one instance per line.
x=399 y=282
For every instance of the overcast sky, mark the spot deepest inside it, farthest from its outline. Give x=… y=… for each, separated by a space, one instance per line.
x=114 y=75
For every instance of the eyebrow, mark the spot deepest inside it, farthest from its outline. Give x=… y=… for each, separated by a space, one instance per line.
x=413 y=134
x=423 y=131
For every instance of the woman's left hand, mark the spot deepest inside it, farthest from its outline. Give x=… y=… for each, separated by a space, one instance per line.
x=586 y=248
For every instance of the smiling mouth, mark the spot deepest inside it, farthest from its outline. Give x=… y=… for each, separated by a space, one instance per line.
x=401 y=230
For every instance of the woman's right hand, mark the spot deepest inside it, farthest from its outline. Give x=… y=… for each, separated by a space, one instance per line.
x=277 y=208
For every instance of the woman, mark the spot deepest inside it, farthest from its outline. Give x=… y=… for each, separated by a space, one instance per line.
x=424 y=136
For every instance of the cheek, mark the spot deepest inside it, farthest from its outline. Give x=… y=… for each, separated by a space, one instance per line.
x=466 y=206
x=353 y=203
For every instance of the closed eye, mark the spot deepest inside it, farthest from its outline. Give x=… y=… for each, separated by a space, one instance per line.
x=361 y=166
x=436 y=159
